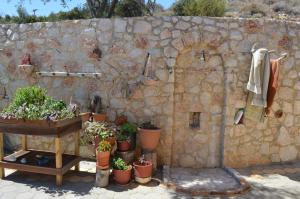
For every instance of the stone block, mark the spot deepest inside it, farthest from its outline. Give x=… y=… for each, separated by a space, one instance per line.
x=120 y=25
x=142 y=27
x=284 y=137
x=288 y=153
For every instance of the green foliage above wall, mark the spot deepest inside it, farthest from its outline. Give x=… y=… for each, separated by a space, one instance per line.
x=212 y=8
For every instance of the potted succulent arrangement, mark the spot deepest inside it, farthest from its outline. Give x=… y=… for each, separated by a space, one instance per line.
x=32 y=103
x=96 y=131
x=142 y=170
x=149 y=136
x=103 y=154
x=123 y=142
x=130 y=129
x=97 y=113
x=121 y=171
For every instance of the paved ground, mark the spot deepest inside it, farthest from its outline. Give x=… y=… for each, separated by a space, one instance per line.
x=277 y=181
x=203 y=179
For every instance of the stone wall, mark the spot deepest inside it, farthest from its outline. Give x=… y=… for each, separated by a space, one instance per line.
x=199 y=66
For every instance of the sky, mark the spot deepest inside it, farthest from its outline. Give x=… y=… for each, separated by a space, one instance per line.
x=9 y=6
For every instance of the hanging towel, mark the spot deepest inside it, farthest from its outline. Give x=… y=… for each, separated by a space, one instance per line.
x=259 y=76
x=273 y=84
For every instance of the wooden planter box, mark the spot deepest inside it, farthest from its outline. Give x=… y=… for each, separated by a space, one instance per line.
x=62 y=163
x=40 y=127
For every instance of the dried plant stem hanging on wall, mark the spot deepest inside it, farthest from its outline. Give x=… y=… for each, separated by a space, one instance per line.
x=148 y=72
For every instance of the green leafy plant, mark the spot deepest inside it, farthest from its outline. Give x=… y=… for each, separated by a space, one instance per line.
x=93 y=129
x=213 y=8
x=123 y=137
x=33 y=103
x=119 y=164
x=104 y=146
x=103 y=130
x=129 y=128
x=148 y=125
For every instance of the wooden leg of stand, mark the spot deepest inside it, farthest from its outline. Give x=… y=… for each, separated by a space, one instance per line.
x=2 y=173
x=24 y=142
x=58 y=160
x=77 y=148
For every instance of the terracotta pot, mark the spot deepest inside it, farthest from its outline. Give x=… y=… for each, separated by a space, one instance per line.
x=103 y=159
x=122 y=176
x=149 y=138
x=85 y=117
x=122 y=119
x=99 y=117
x=111 y=140
x=143 y=171
x=123 y=145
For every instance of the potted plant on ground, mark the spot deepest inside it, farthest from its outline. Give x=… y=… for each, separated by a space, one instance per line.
x=121 y=171
x=149 y=136
x=97 y=110
x=130 y=129
x=103 y=154
x=123 y=142
x=142 y=170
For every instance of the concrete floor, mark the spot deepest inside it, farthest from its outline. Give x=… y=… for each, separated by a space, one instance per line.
x=275 y=181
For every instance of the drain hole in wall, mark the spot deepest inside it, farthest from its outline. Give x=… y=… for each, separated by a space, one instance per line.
x=195 y=120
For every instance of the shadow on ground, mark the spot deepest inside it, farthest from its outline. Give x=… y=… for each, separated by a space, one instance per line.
x=75 y=183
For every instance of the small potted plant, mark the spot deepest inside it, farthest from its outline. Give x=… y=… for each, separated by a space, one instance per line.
x=103 y=154
x=95 y=132
x=123 y=142
x=149 y=136
x=142 y=170
x=106 y=132
x=121 y=119
x=96 y=109
x=130 y=129
x=121 y=171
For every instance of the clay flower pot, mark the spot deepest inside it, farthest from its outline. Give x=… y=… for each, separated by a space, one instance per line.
x=99 y=117
x=103 y=159
x=123 y=145
x=111 y=140
x=142 y=170
x=122 y=119
x=25 y=70
x=149 y=138
x=122 y=176
x=85 y=116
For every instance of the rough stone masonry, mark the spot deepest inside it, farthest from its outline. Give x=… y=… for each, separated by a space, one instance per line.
x=199 y=67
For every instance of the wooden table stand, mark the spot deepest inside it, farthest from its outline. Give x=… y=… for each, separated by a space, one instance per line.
x=56 y=129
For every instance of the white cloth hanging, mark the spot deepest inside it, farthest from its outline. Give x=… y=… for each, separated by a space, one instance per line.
x=259 y=76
